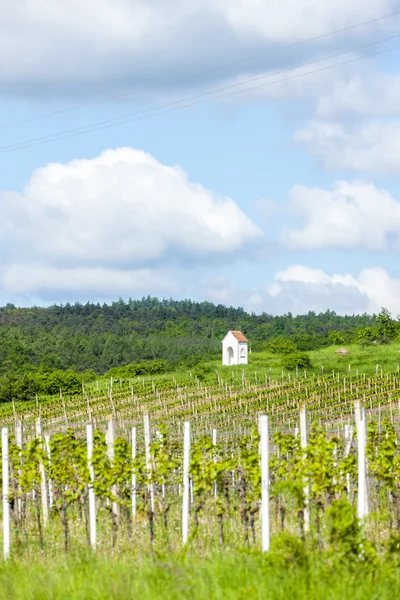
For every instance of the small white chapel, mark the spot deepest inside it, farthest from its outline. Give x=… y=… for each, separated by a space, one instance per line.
x=234 y=349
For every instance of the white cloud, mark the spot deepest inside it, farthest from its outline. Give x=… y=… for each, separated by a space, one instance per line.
x=19 y=280
x=120 y=208
x=56 y=46
x=312 y=80
x=299 y=289
x=339 y=82
x=353 y=215
x=382 y=290
x=220 y=290
x=371 y=146
x=362 y=91
x=282 y=20
x=114 y=220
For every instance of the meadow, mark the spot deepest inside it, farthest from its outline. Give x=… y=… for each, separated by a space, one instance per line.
x=220 y=576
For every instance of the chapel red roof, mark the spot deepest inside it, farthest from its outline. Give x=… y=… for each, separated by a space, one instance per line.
x=239 y=336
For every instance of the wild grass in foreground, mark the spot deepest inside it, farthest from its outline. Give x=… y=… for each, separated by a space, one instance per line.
x=221 y=576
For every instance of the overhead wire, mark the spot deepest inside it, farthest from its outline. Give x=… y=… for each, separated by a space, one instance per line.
x=193 y=100
x=200 y=72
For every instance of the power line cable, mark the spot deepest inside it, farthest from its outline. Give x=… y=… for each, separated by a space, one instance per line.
x=172 y=105
x=201 y=72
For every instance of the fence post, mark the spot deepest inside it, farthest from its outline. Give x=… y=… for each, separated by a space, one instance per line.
x=110 y=454
x=134 y=498
x=47 y=448
x=19 y=434
x=92 y=498
x=147 y=442
x=20 y=443
x=304 y=444
x=159 y=438
x=6 y=505
x=362 y=503
x=185 y=500
x=43 y=482
x=214 y=441
x=357 y=414
x=361 y=423
x=348 y=433
x=264 y=447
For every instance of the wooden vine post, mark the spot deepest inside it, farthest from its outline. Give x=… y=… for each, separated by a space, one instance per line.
x=303 y=445
x=348 y=434
x=43 y=479
x=47 y=448
x=111 y=454
x=19 y=442
x=92 y=498
x=214 y=441
x=185 y=499
x=134 y=491
x=147 y=446
x=361 y=427
x=6 y=504
x=264 y=450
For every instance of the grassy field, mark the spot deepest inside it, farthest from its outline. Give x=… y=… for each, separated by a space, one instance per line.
x=227 y=576
x=387 y=357
x=324 y=360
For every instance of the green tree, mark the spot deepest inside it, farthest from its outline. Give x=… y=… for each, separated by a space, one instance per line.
x=335 y=337
x=387 y=327
x=365 y=336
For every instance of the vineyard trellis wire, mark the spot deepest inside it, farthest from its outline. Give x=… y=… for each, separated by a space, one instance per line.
x=328 y=398
x=94 y=468
x=303 y=477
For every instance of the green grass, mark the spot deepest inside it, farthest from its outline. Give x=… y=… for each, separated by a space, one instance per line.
x=387 y=357
x=227 y=576
x=363 y=359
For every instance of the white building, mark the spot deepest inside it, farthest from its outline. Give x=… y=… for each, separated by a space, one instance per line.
x=234 y=349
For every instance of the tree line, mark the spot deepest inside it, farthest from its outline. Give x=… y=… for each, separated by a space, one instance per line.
x=57 y=342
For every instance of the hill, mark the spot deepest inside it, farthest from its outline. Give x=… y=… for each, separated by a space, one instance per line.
x=44 y=349
x=226 y=396
x=98 y=337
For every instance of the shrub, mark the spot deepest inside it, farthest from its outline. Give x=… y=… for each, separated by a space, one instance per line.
x=88 y=376
x=288 y=550
x=149 y=367
x=51 y=383
x=365 y=335
x=335 y=337
x=299 y=359
x=282 y=346
x=346 y=535
x=201 y=371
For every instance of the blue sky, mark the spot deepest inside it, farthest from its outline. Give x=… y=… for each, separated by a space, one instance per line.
x=282 y=198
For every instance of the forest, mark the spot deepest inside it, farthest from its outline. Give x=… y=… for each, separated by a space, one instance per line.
x=45 y=348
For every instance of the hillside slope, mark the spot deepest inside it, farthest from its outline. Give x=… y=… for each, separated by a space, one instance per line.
x=97 y=337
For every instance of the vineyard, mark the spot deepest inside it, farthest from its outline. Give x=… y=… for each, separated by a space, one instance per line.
x=226 y=403
x=304 y=463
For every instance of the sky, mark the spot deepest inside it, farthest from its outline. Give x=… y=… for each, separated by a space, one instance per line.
x=244 y=152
